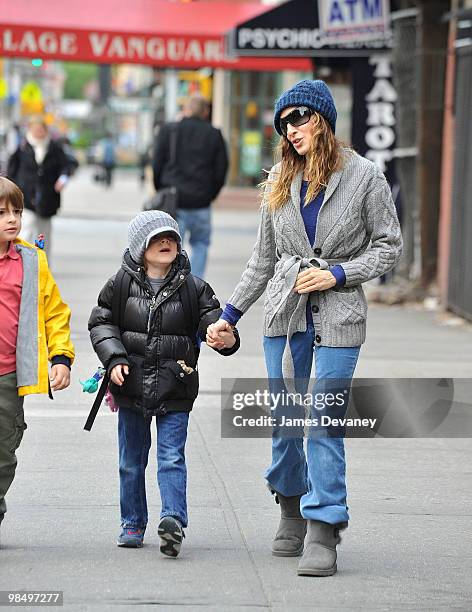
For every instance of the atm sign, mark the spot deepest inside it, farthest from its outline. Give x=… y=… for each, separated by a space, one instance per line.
x=344 y=21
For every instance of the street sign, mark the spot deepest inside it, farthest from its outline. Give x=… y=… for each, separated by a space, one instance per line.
x=347 y=21
x=31 y=93
x=251 y=150
x=349 y=28
x=3 y=89
x=31 y=98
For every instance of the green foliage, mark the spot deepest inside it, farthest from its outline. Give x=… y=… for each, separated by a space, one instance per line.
x=84 y=139
x=77 y=77
x=81 y=136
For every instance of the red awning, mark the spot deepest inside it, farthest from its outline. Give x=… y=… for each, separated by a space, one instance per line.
x=119 y=31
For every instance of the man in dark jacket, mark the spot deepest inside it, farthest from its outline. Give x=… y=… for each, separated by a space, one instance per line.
x=152 y=362
x=191 y=156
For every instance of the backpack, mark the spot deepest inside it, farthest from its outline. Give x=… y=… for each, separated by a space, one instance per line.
x=188 y=297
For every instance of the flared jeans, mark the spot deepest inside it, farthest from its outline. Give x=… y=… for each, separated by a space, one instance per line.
x=319 y=474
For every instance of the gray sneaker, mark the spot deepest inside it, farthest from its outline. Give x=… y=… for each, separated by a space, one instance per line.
x=131 y=537
x=171 y=534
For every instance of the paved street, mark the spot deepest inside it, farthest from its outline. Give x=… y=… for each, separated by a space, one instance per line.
x=407 y=547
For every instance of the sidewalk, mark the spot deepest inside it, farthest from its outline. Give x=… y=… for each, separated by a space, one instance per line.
x=406 y=548
x=85 y=198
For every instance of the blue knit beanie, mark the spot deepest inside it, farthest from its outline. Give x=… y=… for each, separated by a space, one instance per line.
x=314 y=94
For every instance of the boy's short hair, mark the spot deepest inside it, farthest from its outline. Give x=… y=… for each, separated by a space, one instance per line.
x=11 y=194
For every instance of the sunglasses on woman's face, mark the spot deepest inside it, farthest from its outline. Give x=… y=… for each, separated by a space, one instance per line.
x=299 y=116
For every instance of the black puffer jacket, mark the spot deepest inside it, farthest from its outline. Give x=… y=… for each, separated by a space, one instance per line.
x=154 y=338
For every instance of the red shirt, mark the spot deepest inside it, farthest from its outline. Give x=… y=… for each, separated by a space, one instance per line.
x=11 y=282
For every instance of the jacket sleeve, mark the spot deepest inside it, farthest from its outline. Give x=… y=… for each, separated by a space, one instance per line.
x=64 y=162
x=386 y=243
x=57 y=324
x=226 y=352
x=220 y=165
x=260 y=267
x=210 y=312
x=70 y=162
x=160 y=155
x=13 y=165
x=106 y=337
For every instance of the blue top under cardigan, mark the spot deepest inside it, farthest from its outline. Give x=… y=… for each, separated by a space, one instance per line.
x=310 y=218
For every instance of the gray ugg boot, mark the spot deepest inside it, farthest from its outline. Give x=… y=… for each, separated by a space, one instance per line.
x=319 y=558
x=288 y=541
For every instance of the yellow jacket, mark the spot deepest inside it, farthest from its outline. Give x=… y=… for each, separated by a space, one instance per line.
x=43 y=326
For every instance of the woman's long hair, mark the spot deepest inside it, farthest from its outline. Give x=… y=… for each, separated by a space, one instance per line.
x=324 y=157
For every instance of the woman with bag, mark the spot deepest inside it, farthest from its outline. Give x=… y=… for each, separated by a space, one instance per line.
x=328 y=224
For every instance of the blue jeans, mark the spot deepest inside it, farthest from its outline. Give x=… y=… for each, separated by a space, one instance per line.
x=134 y=440
x=198 y=223
x=320 y=475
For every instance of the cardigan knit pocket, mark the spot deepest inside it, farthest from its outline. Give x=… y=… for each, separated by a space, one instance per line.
x=348 y=307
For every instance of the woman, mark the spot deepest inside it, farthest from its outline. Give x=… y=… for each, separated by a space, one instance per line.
x=41 y=169
x=328 y=224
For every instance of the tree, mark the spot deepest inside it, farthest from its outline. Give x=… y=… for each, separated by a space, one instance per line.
x=77 y=77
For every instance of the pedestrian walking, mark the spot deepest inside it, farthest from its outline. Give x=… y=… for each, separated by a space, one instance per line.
x=191 y=156
x=151 y=356
x=328 y=224
x=108 y=159
x=145 y=170
x=34 y=329
x=41 y=170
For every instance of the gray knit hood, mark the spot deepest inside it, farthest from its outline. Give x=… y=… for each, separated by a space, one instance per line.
x=145 y=226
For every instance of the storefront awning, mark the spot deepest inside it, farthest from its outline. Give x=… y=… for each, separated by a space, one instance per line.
x=298 y=28
x=163 y=34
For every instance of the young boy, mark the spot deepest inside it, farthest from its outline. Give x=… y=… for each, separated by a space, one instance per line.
x=151 y=357
x=34 y=328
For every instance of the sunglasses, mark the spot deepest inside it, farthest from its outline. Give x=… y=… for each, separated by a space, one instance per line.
x=299 y=116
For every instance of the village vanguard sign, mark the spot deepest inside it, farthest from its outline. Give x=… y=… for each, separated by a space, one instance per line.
x=103 y=47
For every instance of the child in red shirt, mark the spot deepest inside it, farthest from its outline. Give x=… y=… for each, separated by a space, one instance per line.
x=34 y=329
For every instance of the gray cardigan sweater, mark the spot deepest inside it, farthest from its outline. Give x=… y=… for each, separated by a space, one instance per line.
x=357 y=227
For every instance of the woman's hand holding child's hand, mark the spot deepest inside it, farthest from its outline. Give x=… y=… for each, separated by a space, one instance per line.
x=220 y=335
x=228 y=338
x=118 y=373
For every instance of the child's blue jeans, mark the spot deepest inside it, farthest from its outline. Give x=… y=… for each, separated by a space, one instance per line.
x=319 y=476
x=134 y=439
